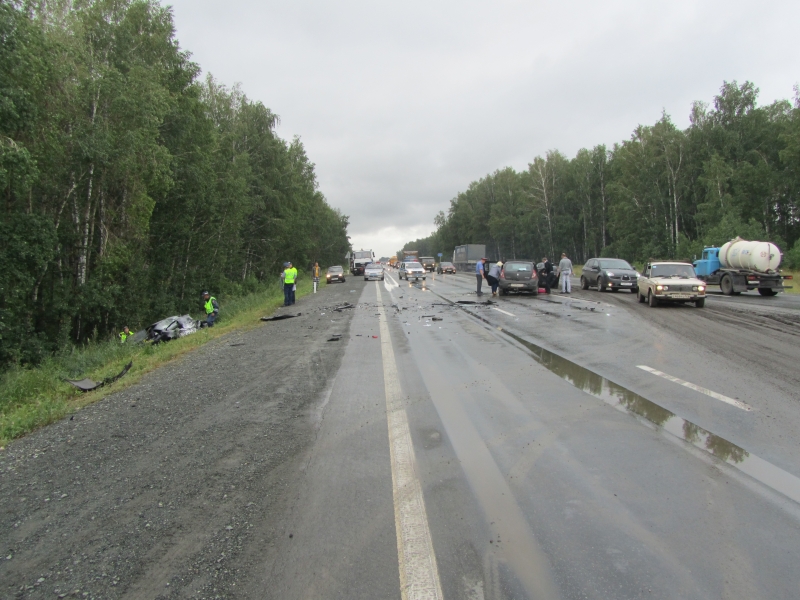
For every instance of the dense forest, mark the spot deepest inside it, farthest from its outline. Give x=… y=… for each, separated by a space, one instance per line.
x=663 y=193
x=129 y=185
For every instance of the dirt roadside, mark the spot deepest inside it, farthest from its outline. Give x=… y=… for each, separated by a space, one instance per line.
x=177 y=486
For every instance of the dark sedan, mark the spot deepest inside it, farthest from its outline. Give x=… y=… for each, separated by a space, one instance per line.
x=446 y=267
x=609 y=274
x=334 y=274
x=518 y=276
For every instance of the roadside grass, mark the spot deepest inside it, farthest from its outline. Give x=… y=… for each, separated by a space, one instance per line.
x=34 y=397
x=794 y=281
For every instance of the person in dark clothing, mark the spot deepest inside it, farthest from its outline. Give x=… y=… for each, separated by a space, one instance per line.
x=548 y=274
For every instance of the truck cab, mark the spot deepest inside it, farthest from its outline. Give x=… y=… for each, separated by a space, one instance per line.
x=709 y=263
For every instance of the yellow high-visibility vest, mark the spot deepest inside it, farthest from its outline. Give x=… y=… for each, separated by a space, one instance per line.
x=289 y=275
x=209 y=305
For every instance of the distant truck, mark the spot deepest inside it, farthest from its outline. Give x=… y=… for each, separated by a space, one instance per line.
x=741 y=266
x=359 y=260
x=465 y=257
x=410 y=256
x=393 y=261
x=428 y=263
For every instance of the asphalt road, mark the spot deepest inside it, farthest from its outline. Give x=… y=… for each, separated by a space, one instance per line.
x=581 y=446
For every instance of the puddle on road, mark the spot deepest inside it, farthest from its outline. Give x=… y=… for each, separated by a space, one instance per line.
x=630 y=402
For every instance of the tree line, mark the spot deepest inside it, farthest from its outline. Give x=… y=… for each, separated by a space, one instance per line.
x=129 y=185
x=664 y=193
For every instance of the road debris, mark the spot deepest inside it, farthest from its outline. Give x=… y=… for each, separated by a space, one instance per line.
x=280 y=317
x=87 y=385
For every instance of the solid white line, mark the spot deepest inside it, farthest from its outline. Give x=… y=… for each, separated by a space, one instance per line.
x=697 y=388
x=419 y=575
x=502 y=311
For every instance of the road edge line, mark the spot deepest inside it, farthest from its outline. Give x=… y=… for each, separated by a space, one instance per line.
x=419 y=574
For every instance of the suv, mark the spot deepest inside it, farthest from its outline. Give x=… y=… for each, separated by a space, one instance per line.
x=428 y=263
x=609 y=274
x=412 y=270
x=671 y=282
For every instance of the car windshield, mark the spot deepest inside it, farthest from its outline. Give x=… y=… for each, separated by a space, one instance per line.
x=447 y=264
x=518 y=266
x=335 y=270
x=373 y=267
x=362 y=254
x=667 y=270
x=615 y=263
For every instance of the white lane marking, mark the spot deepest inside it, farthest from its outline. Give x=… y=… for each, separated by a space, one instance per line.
x=697 y=388
x=387 y=285
x=502 y=311
x=419 y=575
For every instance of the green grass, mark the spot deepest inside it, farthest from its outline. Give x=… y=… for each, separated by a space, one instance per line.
x=33 y=397
x=794 y=281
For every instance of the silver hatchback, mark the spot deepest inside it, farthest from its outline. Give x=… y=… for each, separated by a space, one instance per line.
x=373 y=272
x=412 y=271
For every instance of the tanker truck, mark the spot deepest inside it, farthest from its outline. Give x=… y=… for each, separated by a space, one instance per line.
x=741 y=266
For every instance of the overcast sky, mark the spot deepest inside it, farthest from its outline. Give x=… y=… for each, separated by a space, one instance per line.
x=402 y=104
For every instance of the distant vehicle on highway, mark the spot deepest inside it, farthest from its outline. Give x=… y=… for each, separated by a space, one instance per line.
x=428 y=263
x=518 y=276
x=373 y=272
x=609 y=274
x=411 y=270
x=671 y=282
x=334 y=274
x=446 y=267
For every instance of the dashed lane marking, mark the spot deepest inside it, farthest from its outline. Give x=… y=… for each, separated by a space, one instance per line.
x=503 y=311
x=419 y=575
x=697 y=388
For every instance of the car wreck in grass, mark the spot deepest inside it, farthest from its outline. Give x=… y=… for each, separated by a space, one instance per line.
x=173 y=328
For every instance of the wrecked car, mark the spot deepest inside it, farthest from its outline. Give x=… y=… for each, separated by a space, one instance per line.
x=172 y=328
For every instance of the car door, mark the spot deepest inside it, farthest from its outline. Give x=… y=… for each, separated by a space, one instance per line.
x=593 y=272
x=644 y=282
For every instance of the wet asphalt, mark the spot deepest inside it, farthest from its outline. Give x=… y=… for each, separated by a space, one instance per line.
x=551 y=464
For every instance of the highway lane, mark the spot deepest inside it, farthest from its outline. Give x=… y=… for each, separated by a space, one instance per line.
x=534 y=486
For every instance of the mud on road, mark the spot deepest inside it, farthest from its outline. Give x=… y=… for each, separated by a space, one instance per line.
x=179 y=486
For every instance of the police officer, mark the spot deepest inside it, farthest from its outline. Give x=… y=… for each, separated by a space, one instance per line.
x=211 y=307
x=125 y=334
x=548 y=274
x=289 y=276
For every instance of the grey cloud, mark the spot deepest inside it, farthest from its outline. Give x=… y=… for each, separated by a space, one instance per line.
x=402 y=105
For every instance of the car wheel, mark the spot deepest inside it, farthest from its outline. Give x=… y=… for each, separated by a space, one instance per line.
x=700 y=303
x=584 y=283
x=634 y=290
x=600 y=287
x=651 y=299
x=641 y=298
x=343 y=279
x=726 y=285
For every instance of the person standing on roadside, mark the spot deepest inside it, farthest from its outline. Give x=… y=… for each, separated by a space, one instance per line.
x=124 y=334
x=493 y=278
x=211 y=307
x=480 y=274
x=289 y=276
x=548 y=274
x=564 y=271
x=315 y=275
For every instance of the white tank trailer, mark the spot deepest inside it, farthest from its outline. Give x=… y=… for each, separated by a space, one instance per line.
x=741 y=266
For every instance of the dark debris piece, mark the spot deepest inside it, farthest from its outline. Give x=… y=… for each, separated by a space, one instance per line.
x=87 y=385
x=280 y=317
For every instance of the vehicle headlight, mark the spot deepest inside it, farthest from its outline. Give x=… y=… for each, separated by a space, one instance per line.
x=610 y=274
x=701 y=288
x=661 y=288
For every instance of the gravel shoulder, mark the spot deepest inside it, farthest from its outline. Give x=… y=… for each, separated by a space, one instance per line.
x=160 y=491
